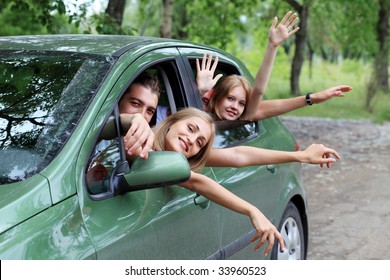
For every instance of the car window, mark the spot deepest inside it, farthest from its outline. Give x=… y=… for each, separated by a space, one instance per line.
x=105 y=157
x=42 y=97
x=172 y=96
x=107 y=154
x=232 y=133
x=223 y=67
x=229 y=133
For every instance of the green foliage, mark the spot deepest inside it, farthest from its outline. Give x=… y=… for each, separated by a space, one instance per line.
x=341 y=32
x=210 y=22
x=336 y=27
x=219 y=20
x=100 y=23
x=12 y=25
x=355 y=73
x=40 y=15
x=53 y=16
x=147 y=16
x=104 y=24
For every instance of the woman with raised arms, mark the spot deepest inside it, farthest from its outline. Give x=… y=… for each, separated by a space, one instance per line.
x=191 y=132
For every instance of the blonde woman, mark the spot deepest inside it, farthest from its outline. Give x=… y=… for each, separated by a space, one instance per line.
x=229 y=99
x=238 y=100
x=191 y=132
x=278 y=33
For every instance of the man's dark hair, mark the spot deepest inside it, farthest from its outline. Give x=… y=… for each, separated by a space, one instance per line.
x=147 y=81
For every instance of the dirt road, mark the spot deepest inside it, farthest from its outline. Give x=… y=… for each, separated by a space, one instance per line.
x=349 y=204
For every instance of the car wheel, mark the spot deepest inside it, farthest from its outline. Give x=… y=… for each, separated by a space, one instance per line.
x=291 y=229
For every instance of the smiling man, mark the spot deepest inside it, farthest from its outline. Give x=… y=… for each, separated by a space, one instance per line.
x=141 y=97
x=137 y=107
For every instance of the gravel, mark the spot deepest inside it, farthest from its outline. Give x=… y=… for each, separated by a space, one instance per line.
x=348 y=204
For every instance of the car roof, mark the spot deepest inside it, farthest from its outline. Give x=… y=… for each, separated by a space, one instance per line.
x=107 y=45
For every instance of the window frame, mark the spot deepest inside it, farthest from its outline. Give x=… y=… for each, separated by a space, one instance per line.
x=227 y=67
x=173 y=68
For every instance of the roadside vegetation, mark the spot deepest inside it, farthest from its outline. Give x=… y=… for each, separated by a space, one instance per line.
x=336 y=44
x=322 y=75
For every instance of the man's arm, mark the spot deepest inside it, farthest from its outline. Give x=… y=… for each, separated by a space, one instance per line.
x=138 y=138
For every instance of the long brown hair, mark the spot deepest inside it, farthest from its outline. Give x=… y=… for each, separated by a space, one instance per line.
x=223 y=88
x=198 y=161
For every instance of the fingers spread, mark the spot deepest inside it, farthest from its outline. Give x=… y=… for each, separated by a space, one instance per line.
x=214 y=64
x=204 y=61
x=285 y=18
x=274 y=23
x=217 y=78
x=291 y=24
x=208 y=62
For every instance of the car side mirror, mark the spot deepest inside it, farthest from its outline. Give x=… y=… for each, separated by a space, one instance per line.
x=160 y=169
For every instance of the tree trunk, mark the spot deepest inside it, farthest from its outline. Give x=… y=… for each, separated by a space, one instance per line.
x=166 y=21
x=183 y=19
x=382 y=57
x=310 y=57
x=300 y=42
x=116 y=9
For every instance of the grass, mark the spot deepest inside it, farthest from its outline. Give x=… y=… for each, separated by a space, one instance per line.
x=325 y=75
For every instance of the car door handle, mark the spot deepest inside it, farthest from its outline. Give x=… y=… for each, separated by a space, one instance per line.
x=201 y=201
x=271 y=168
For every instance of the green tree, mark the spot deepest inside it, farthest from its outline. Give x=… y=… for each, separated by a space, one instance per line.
x=210 y=22
x=166 y=19
x=300 y=42
x=382 y=56
x=379 y=80
x=216 y=22
x=108 y=22
x=333 y=30
x=115 y=9
x=339 y=30
x=43 y=13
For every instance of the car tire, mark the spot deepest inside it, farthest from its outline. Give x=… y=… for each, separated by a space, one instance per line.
x=291 y=229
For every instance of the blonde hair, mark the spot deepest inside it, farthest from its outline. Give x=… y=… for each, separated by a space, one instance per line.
x=198 y=161
x=222 y=89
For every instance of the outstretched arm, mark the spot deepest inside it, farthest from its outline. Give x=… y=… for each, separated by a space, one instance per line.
x=242 y=156
x=276 y=107
x=276 y=36
x=265 y=230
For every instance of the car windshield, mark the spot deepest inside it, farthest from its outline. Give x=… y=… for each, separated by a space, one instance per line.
x=42 y=97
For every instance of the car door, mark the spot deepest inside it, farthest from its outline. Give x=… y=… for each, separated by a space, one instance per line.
x=259 y=185
x=157 y=223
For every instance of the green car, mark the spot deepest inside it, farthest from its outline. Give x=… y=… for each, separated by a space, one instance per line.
x=56 y=94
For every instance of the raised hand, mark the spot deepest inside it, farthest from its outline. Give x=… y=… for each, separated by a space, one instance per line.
x=205 y=73
x=278 y=33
